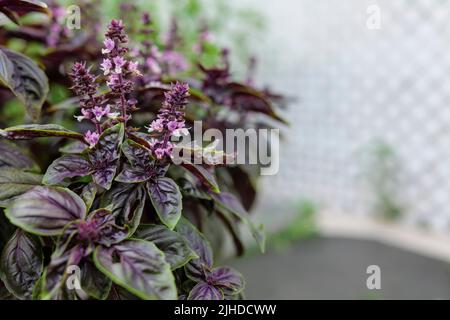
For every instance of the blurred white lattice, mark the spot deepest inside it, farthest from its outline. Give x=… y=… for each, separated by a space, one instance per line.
x=356 y=87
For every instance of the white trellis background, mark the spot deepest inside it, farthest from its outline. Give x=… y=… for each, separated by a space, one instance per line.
x=355 y=86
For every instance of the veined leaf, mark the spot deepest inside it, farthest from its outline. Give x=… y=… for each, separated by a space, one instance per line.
x=21 y=264
x=166 y=198
x=105 y=154
x=204 y=291
x=67 y=166
x=174 y=246
x=46 y=210
x=14 y=9
x=30 y=131
x=229 y=202
x=203 y=175
x=25 y=79
x=14 y=182
x=139 y=267
x=227 y=279
x=13 y=156
x=126 y=202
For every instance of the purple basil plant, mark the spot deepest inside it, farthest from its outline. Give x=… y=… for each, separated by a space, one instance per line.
x=113 y=217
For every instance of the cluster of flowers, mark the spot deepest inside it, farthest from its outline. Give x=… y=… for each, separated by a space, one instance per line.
x=118 y=70
x=170 y=120
x=57 y=29
x=156 y=61
x=85 y=86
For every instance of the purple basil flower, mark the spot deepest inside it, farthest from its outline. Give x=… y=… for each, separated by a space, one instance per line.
x=174 y=62
x=106 y=66
x=119 y=62
x=91 y=138
x=169 y=119
x=109 y=46
x=117 y=68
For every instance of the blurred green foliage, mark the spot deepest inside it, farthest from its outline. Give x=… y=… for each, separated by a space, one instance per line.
x=302 y=227
x=383 y=178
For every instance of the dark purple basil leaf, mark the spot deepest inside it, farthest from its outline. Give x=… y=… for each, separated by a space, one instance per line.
x=246 y=98
x=4 y=293
x=196 y=269
x=133 y=175
x=120 y=293
x=94 y=282
x=100 y=227
x=68 y=166
x=30 y=131
x=104 y=176
x=230 y=222
x=140 y=162
x=137 y=155
x=88 y=194
x=104 y=156
x=62 y=274
x=14 y=9
x=138 y=266
x=6 y=230
x=244 y=184
x=46 y=210
x=207 y=178
x=25 y=80
x=174 y=246
x=74 y=147
x=228 y=279
x=196 y=241
x=166 y=198
x=13 y=156
x=14 y=182
x=188 y=189
x=13 y=16
x=226 y=201
x=204 y=291
x=107 y=148
x=126 y=202
x=21 y=264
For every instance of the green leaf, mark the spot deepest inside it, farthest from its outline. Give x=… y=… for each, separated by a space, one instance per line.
x=21 y=264
x=14 y=182
x=166 y=198
x=174 y=246
x=46 y=210
x=138 y=266
x=30 y=131
x=25 y=79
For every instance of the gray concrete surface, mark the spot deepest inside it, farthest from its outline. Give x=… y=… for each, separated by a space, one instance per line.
x=332 y=268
